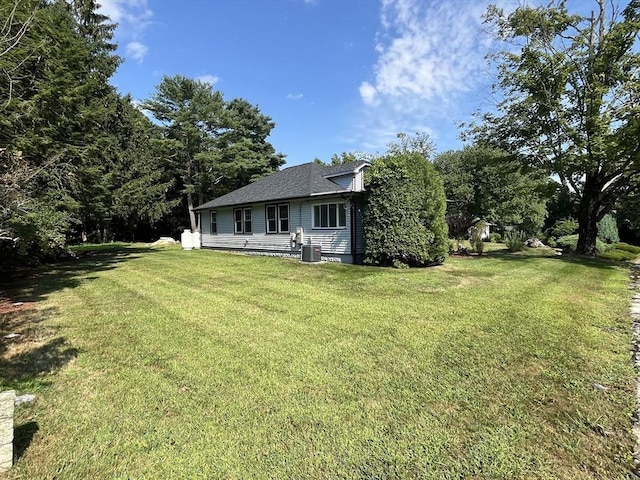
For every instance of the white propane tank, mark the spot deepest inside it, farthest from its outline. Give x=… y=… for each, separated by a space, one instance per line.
x=187 y=239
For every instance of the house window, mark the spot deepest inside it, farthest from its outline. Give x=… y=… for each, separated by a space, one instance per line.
x=277 y=218
x=242 y=220
x=247 y=220
x=283 y=215
x=329 y=215
x=214 y=222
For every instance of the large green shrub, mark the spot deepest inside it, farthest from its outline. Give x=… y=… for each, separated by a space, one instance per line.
x=404 y=220
x=39 y=231
x=608 y=229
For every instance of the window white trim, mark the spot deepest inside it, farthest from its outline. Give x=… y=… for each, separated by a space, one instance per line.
x=243 y=221
x=277 y=222
x=329 y=216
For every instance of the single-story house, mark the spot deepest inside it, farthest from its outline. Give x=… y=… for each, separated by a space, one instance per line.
x=307 y=204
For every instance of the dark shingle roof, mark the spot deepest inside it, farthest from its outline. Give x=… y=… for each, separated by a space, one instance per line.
x=294 y=182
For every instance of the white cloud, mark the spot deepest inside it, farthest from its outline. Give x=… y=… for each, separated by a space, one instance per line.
x=127 y=12
x=132 y=17
x=294 y=96
x=431 y=54
x=428 y=50
x=136 y=50
x=210 y=79
x=368 y=93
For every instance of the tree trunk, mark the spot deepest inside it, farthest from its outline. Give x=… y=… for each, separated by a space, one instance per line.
x=587 y=225
x=192 y=214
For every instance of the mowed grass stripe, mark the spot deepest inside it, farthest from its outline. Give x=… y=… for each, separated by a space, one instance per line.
x=211 y=365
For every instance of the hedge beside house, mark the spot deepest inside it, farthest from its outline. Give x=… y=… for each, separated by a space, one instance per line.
x=404 y=222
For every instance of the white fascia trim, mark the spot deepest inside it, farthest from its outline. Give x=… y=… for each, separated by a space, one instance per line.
x=330 y=193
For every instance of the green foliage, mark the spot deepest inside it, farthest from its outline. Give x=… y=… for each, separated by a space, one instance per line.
x=478 y=245
x=40 y=236
x=618 y=255
x=564 y=227
x=561 y=206
x=514 y=240
x=495 y=237
x=475 y=239
x=608 y=229
x=141 y=180
x=487 y=183
x=58 y=117
x=628 y=210
x=404 y=213
x=569 y=89
x=570 y=242
x=627 y=248
x=210 y=146
x=419 y=143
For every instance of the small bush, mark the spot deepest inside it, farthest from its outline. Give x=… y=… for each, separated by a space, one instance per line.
x=453 y=246
x=475 y=239
x=515 y=240
x=608 y=229
x=627 y=247
x=564 y=227
x=495 y=237
x=618 y=255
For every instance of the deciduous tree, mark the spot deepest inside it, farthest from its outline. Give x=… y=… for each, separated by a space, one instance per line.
x=489 y=184
x=570 y=89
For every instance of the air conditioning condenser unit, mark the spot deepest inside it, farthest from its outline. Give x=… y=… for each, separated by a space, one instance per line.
x=311 y=253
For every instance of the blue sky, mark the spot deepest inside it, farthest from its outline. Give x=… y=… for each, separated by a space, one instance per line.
x=334 y=75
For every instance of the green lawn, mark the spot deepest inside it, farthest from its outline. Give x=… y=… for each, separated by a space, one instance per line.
x=171 y=364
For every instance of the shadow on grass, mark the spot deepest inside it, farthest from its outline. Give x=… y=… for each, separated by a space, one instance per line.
x=35 y=360
x=22 y=438
x=33 y=284
x=531 y=256
x=28 y=347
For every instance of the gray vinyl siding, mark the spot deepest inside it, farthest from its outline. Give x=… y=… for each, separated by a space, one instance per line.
x=358 y=181
x=335 y=242
x=257 y=240
x=359 y=227
x=204 y=222
x=345 y=181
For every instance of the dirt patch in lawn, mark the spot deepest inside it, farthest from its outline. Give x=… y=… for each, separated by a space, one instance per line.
x=27 y=346
x=10 y=306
